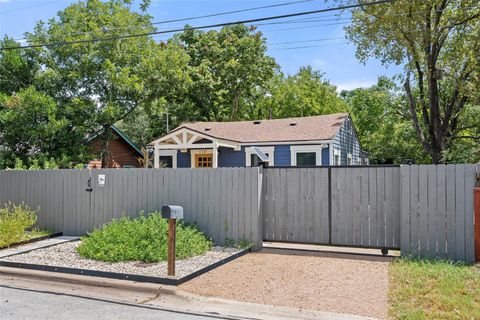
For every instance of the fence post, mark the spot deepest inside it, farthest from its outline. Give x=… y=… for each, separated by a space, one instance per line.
x=329 y=205
x=476 y=224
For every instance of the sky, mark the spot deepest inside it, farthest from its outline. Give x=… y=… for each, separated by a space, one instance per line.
x=335 y=57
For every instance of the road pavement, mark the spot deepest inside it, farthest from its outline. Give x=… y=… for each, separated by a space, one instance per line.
x=22 y=304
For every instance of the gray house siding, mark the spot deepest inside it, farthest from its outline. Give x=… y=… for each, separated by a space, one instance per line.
x=346 y=142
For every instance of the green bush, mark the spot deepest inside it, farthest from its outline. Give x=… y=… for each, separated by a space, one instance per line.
x=141 y=239
x=14 y=220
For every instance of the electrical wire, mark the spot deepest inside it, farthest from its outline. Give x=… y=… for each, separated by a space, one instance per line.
x=248 y=21
x=305 y=47
x=31 y=6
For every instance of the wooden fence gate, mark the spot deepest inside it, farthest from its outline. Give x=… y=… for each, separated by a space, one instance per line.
x=348 y=206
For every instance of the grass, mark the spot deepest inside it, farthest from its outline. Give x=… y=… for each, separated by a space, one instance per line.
x=141 y=239
x=421 y=289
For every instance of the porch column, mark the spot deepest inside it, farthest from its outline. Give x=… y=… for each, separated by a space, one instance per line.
x=215 y=155
x=156 y=157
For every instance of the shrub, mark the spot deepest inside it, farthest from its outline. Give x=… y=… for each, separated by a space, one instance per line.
x=141 y=239
x=14 y=220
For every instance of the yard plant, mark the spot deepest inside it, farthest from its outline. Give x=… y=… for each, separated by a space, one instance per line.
x=142 y=239
x=421 y=289
x=15 y=219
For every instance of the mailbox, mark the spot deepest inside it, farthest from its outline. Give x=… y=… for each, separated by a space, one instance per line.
x=172 y=212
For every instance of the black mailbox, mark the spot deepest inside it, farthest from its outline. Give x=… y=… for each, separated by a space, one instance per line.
x=172 y=212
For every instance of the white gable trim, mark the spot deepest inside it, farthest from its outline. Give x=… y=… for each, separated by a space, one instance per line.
x=182 y=140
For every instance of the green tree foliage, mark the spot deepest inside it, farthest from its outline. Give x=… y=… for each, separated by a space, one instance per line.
x=34 y=129
x=383 y=123
x=17 y=67
x=103 y=79
x=227 y=67
x=438 y=43
x=305 y=93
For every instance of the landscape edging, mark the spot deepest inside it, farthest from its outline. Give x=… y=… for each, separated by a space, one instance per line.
x=122 y=276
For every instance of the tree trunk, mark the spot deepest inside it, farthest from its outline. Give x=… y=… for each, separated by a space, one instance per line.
x=104 y=147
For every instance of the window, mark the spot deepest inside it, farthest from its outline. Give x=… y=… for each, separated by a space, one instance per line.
x=336 y=157
x=306 y=158
x=255 y=160
x=252 y=160
x=166 y=161
x=204 y=160
x=349 y=159
x=310 y=155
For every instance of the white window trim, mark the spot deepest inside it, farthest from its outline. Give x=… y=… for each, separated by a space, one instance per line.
x=336 y=152
x=172 y=153
x=307 y=148
x=194 y=152
x=349 y=157
x=271 y=155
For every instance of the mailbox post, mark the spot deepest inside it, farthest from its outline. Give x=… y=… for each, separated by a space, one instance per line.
x=172 y=213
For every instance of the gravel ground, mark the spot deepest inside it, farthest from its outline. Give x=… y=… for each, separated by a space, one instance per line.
x=65 y=255
x=309 y=282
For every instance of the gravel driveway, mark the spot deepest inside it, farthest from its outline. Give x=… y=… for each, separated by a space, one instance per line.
x=353 y=286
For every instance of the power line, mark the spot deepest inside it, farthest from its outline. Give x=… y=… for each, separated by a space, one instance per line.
x=304 y=47
x=32 y=6
x=233 y=12
x=200 y=17
x=310 y=19
x=304 y=27
x=305 y=41
x=296 y=14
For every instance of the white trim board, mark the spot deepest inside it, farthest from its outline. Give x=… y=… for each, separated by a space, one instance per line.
x=172 y=153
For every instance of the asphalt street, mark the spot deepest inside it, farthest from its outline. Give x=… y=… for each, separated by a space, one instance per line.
x=20 y=304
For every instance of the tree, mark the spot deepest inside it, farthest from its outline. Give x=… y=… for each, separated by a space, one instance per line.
x=101 y=80
x=17 y=67
x=226 y=68
x=383 y=123
x=438 y=42
x=305 y=93
x=33 y=129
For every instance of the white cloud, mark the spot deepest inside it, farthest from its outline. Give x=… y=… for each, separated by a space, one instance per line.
x=354 y=85
x=4 y=1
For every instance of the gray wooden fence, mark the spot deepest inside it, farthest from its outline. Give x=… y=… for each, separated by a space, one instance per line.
x=225 y=202
x=366 y=206
x=437 y=211
x=296 y=205
x=349 y=206
x=424 y=210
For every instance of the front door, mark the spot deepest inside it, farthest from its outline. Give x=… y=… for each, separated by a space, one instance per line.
x=204 y=160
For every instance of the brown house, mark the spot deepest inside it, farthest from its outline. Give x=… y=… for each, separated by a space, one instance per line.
x=121 y=152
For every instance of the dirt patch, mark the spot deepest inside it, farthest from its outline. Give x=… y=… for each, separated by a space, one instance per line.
x=353 y=286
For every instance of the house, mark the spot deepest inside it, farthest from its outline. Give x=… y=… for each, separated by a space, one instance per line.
x=308 y=141
x=121 y=152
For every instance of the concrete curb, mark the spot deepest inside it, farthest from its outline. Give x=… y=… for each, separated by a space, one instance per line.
x=86 y=280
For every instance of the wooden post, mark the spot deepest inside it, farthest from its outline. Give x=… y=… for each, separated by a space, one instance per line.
x=172 y=223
